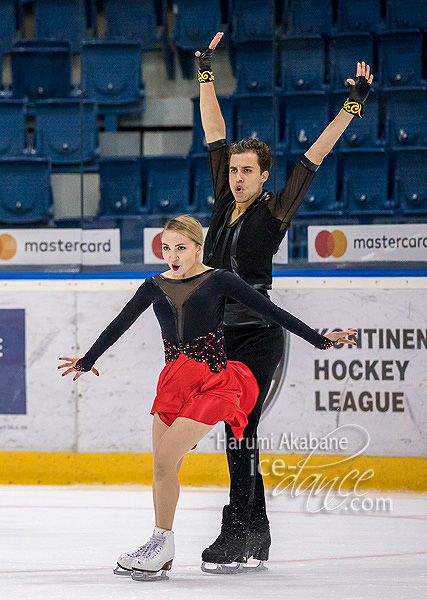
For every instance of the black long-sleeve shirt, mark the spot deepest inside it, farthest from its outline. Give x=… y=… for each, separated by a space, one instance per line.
x=190 y=312
x=247 y=246
x=257 y=234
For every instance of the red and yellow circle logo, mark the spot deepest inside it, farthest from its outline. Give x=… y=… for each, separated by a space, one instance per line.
x=8 y=246
x=330 y=244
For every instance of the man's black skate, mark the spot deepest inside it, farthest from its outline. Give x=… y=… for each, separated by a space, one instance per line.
x=259 y=544
x=227 y=548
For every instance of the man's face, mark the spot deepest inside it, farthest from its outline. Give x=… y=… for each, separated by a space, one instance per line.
x=245 y=177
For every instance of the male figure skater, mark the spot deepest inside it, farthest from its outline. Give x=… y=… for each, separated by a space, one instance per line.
x=247 y=227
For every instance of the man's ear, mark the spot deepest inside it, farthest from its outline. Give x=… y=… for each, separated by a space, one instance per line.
x=264 y=176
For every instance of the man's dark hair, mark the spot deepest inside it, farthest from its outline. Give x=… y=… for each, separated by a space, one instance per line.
x=261 y=149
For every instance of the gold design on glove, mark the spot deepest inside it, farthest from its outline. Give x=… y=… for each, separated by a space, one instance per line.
x=205 y=76
x=353 y=108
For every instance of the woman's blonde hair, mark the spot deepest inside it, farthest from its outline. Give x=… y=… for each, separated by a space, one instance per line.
x=188 y=226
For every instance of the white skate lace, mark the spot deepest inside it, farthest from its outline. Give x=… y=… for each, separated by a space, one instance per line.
x=153 y=546
x=139 y=551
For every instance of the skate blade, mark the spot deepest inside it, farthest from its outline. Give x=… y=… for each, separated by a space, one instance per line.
x=149 y=575
x=238 y=568
x=152 y=575
x=259 y=568
x=121 y=571
x=221 y=569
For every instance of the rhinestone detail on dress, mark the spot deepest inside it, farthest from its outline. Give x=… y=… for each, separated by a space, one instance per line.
x=206 y=348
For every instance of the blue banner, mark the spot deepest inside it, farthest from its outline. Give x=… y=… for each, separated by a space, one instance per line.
x=13 y=399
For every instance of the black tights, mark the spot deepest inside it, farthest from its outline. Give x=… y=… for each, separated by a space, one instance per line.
x=260 y=349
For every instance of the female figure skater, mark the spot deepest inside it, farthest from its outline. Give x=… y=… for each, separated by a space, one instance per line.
x=198 y=386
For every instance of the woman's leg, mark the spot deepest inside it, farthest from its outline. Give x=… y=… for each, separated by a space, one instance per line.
x=168 y=453
x=159 y=428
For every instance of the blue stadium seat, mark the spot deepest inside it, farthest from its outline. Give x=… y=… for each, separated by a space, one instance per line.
x=25 y=190
x=306 y=116
x=345 y=52
x=12 y=127
x=8 y=24
x=121 y=186
x=134 y=19
x=112 y=75
x=248 y=22
x=256 y=117
x=304 y=17
x=167 y=180
x=41 y=69
x=365 y=182
x=322 y=195
x=361 y=133
x=402 y=14
x=227 y=108
x=302 y=63
x=410 y=182
x=255 y=68
x=400 y=58
x=196 y=23
x=61 y=19
x=358 y=15
x=277 y=177
x=406 y=110
x=202 y=200
x=58 y=130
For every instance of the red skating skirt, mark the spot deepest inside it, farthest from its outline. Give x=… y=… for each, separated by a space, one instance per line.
x=188 y=388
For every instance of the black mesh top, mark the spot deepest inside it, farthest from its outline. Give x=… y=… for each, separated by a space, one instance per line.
x=190 y=312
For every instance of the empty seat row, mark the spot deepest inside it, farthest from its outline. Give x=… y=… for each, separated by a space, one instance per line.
x=349 y=183
x=194 y=22
x=312 y=62
x=65 y=130
x=393 y=117
x=314 y=17
x=111 y=74
x=73 y=20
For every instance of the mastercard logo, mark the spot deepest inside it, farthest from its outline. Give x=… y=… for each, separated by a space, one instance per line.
x=8 y=246
x=156 y=245
x=330 y=244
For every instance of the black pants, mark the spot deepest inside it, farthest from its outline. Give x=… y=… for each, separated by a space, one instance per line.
x=260 y=349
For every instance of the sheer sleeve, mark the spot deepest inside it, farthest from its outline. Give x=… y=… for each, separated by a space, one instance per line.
x=234 y=287
x=285 y=204
x=127 y=316
x=218 y=163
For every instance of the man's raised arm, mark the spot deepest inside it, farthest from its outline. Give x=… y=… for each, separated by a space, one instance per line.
x=212 y=120
x=359 y=91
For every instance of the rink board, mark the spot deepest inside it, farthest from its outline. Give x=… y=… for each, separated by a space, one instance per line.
x=371 y=397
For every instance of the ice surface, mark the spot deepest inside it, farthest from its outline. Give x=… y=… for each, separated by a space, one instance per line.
x=61 y=543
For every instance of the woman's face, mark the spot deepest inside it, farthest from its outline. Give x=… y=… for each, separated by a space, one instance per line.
x=179 y=252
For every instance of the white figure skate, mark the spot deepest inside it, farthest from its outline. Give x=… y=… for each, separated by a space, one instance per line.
x=124 y=562
x=155 y=558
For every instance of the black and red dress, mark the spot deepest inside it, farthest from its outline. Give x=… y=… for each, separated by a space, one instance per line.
x=198 y=382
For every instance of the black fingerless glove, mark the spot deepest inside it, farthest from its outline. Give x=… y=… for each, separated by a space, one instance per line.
x=205 y=73
x=358 y=95
x=326 y=343
x=79 y=367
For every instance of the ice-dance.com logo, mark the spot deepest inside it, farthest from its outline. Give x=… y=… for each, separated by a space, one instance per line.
x=330 y=243
x=8 y=246
x=342 y=490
